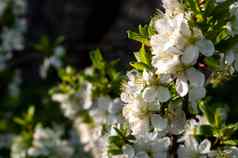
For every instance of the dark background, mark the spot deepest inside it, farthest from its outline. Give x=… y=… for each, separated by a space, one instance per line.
x=89 y=24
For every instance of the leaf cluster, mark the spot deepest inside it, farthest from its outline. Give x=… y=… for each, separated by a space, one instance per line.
x=116 y=142
x=218 y=129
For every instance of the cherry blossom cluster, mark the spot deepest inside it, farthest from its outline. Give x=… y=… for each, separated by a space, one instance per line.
x=164 y=109
x=165 y=92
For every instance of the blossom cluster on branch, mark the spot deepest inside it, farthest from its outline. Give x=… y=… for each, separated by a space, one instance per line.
x=161 y=108
x=91 y=100
x=164 y=109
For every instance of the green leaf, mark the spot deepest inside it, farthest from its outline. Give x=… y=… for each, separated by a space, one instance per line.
x=209 y=7
x=143 y=30
x=231 y=142
x=19 y=121
x=120 y=133
x=138 y=37
x=30 y=114
x=59 y=40
x=204 y=130
x=131 y=137
x=229 y=130
x=143 y=36
x=43 y=45
x=212 y=63
x=117 y=140
x=219 y=120
x=97 y=59
x=139 y=66
x=144 y=56
x=223 y=35
x=193 y=5
x=114 y=151
x=207 y=112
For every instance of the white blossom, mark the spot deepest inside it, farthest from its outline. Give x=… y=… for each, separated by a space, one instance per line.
x=19 y=148
x=47 y=142
x=172 y=7
x=151 y=143
x=192 y=148
x=166 y=63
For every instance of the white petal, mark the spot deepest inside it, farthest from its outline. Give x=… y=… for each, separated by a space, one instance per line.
x=234 y=8
x=161 y=144
x=132 y=74
x=158 y=122
x=147 y=76
x=230 y=57
x=165 y=78
x=59 y=97
x=125 y=97
x=195 y=77
x=231 y=152
x=162 y=25
x=142 y=154
x=115 y=106
x=206 y=47
x=140 y=127
x=129 y=151
x=163 y=94
x=185 y=29
x=191 y=143
x=118 y=156
x=196 y=93
x=190 y=55
x=205 y=146
x=181 y=86
x=150 y=94
x=178 y=122
x=166 y=64
x=155 y=106
x=103 y=102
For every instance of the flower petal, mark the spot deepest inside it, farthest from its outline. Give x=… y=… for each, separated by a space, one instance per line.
x=205 y=146
x=196 y=93
x=115 y=106
x=206 y=47
x=158 y=122
x=195 y=77
x=142 y=154
x=181 y=86
x=190 y=55
x=129 y=151
x=230 y=58
x=150 y=94
x=163 y=94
